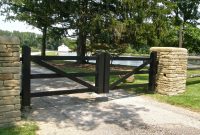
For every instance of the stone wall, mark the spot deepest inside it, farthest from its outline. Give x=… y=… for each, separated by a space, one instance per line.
x=172 y=70
x=9 y=81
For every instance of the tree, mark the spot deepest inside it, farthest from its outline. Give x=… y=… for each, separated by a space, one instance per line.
x=38 y=13
x=106 y=29
x=26 y=38
x=106 y=25
x=185 y=12
x=192 y=39
x=147 y=22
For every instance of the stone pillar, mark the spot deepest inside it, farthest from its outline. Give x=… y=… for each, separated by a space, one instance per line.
x=172 y=70
x=9 y=81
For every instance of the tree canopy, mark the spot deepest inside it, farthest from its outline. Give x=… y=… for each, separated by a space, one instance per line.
x=111 y=25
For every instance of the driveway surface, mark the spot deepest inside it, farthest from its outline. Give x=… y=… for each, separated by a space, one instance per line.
x=116 y=113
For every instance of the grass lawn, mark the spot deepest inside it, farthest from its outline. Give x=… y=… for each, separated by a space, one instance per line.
x=25 y=129
x=189 y=99
x=51 y=53
x=86 y=68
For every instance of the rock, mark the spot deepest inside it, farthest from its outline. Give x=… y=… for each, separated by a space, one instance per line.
x=130 y=79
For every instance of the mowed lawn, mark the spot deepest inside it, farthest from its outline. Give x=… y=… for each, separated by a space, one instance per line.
x=25 y=129
x=189 y=99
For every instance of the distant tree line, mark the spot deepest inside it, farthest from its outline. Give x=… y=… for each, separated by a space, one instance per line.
x=111 y=25
x=34 y=40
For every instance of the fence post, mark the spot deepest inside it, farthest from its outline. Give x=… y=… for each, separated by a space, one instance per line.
x=26 y=69
x=152 y=71
x=106 y=72
x=102 y=73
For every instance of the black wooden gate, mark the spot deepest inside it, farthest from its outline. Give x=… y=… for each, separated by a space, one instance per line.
x=151 y=61
x=102 y=74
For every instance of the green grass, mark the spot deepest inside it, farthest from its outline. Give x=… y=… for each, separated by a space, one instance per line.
x=34 y=49
x=25 y=129
x=189 y=99
x=138 y=78
x=54 y=53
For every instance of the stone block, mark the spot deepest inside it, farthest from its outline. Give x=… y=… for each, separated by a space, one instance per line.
x=3 y=54
x=6 y=108
x=7 y=121
x=15 y=54
x=7 y=76
x=13 y=49
x=130 y=79
x=5 y=88
x=172 y=70
x=16 y=76
x=9 y=59
x=11 y=83
x=9 y=70
x=1 y=83
x=6 y=93
x=12 y=114
x=8 y=97
x=3 y=48
x=11 y=101
x=18 y=106
x=11 y=64
x=17 y=88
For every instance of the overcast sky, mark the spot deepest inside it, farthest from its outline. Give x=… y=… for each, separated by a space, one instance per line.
x=16 y=26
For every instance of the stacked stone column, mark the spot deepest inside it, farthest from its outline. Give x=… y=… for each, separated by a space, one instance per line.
x=172 y=70
x=9 y=81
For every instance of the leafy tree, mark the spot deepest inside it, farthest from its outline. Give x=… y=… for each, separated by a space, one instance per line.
x=106 y=29
x=192 y=39
x=38 y=13
x=108 y=25
x=186 y=11
x=26 y=38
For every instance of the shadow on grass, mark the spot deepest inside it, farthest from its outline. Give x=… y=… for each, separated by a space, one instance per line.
x=139 y=91
x=193 y=82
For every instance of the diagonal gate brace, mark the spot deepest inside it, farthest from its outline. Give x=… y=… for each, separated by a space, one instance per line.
x=113 y=85
x=58 y=71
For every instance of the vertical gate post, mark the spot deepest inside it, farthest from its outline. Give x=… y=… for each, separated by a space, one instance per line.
x=102 y=73
x=26 y=69
x=106 y=72
x=99 y=73
x=152 y=71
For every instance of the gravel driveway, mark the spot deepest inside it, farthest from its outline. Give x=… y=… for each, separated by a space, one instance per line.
x=117 y=113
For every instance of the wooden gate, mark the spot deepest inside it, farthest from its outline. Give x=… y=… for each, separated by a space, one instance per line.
x=152 y=70
x=102 y=74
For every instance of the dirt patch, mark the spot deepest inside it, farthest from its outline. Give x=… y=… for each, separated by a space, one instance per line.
x=89 y=67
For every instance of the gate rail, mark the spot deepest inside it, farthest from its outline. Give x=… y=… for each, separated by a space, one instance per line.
x=27 y=76
x=102 y=74
x=152 y=61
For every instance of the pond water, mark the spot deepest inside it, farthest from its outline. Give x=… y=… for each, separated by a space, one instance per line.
x=116 y=62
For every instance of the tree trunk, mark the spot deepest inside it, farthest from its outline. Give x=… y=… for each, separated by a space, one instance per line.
x=44 y=38
x=81 y=47
x=181 y=36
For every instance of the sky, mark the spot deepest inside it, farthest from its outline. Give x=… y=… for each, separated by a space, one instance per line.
x=17 y=26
